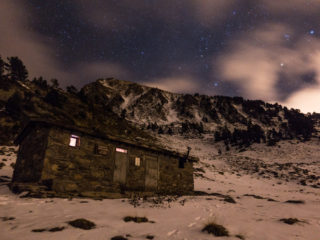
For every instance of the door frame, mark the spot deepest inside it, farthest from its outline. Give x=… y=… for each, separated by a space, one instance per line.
x=146 y=170
x=126 y=167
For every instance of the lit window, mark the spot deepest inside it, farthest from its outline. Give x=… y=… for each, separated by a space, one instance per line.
x=137 y=161
x=121 y=150
x=74 y=141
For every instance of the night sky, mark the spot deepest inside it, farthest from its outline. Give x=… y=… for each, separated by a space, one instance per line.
x=258 y=49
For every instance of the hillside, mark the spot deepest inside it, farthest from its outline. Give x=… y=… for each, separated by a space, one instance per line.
x=234 y=120
x=36 y=99
x=120 y=105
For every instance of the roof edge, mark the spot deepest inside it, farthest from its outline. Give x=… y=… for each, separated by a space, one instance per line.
x=93 y=133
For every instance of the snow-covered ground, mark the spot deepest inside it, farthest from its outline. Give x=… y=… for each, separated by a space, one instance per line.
x=260 y=180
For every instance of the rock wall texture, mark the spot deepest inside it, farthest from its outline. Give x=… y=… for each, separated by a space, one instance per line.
x=29 y=162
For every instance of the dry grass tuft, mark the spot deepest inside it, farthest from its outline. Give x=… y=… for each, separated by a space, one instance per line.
x=118 y=238
x=135 y=219
x=295 y=201
x=290 y=221
x=216 y=229
x=240 y=236
x=82 y=223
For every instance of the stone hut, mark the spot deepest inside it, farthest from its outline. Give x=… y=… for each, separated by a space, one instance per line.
x=63 y=161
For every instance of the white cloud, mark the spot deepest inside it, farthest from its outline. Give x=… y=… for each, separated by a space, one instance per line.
x=257 y=59
x=307 y=100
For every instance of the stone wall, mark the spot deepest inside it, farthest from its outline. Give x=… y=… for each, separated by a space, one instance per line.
x=173 y=179
x=77 y=169
x=88 y=170
x=30 y=157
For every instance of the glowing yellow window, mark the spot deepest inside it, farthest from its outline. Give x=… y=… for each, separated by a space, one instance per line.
x=121 y=150
x=74 y=141
x=137 y=161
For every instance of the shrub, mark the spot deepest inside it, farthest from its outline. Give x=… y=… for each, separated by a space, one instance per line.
x=216 y=229
x=7 y=218
x=2 y=165
x=38 y=230
x=135 y=219
x=119 y=238
x=56 y=229
x=55 y=98
x=229 y=199
x=240 y=236
x=12 y=165
x=82 y=223
x=290 y=221
x=295 y=201
x=14 y=105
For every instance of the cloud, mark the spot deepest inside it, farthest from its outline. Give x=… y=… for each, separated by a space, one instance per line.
x=211 y=12
x=308 y=100
x=295 y=7
x=258 y=62
x=177 y=84
x=37 y=52
x=88 y=72
x=17 y=39
x=117 y=15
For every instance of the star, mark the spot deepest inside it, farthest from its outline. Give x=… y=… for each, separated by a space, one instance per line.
x=286 y=36
x=282 y=64
x=312 y=32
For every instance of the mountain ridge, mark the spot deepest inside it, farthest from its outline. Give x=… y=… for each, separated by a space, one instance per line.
x=173 y=113
x=229 y=119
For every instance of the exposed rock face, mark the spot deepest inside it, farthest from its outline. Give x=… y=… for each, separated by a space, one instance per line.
x=232 y=118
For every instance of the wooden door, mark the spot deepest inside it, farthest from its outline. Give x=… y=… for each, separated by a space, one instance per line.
x=120 y=168
x=152 y=172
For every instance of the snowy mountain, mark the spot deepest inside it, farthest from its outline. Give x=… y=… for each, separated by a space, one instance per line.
x=231 y=119
x=117 y=105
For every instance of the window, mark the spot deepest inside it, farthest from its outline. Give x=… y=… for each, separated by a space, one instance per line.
x=101 y=150
x=181 y=162
x=74 y=141
x=121 y=150
x=137 y=161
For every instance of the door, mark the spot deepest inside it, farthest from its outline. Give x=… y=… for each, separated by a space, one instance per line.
x=152 y=172
x=120 y=168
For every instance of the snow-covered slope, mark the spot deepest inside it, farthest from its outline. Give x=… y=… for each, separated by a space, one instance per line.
x=260 y=200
